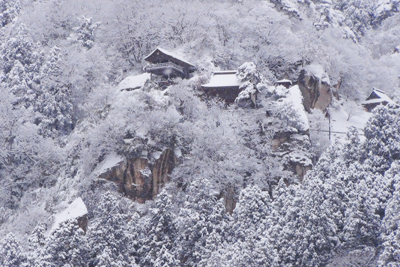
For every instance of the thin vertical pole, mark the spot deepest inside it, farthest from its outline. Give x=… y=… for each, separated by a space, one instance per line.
x=329 y=115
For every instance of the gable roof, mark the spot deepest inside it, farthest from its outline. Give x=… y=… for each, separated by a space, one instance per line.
x=224 y=79
x=377 y=96
x=154 y=55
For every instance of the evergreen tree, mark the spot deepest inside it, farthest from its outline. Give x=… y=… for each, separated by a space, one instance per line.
x=109 y=236
x=390 y=234
x=85 y=32
x=20 y=61
x=37 y=240
x=159 y=233
x=55 y=102
x=9 y=10
x=351 y=150
x=200 y=216
x=66 y=246
x=382 y=144
x=312 y=218
x=11 y=253
x=252 y=220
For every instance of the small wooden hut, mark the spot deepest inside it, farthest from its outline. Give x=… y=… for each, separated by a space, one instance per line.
x=376 y=98
x=284 y=82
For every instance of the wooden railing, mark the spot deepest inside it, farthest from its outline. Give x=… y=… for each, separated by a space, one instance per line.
x=163 y=66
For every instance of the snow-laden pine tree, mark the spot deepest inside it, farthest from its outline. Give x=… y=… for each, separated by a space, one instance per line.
x=36 y=240
x=65 y=246
x=351 y=150
x=84 y=34
x=382 y=145
x=249 y=230
x=310 y=219
x=109 y=237
x=11 y=253
x=9 y=10
x=54 y=105
x=159 y=233
x=200 y=216
x=390 y=235
x=20 y=62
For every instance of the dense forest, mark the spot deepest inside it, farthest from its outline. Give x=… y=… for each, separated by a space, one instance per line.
x=92 y=175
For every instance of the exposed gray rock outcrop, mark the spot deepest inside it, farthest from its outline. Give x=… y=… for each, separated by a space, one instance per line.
x=315 y=90
x=139 y=179
x=293 y=148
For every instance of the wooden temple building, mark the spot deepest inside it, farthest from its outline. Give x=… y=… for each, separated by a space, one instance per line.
x=166 y=65
x=223 y=84
x=226 y=86
x=376 y=98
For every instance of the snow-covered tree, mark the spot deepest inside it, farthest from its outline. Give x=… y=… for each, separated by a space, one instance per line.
x=66 y=246
x=200 y=216
x=382 y=144
x=159 y=235
x=252 y=220
x=85 y=32
x=11 y=253
x=9 y=10
x=21 y=60
x=109 y=236
x=55 y=102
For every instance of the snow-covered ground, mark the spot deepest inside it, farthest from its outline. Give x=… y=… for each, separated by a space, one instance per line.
x=340 y=124
x=110 y=161
x=75 y=210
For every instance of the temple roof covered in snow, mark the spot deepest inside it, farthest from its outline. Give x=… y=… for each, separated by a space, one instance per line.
x=224 y=79
x=375 y=98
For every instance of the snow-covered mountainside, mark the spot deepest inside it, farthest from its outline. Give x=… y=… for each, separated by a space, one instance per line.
x=116 y=151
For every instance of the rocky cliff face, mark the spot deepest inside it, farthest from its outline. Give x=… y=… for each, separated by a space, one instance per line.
x=316 y=92
x=294 y=148
x=139 y=179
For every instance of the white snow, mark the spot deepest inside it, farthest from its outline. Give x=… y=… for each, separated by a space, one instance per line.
x=383 y=6
x=133 y=82
x=160 y=97
x=301 y=157
x=340 y=125
x=284 y=81
x=223 y=78
x=110 y=161
x=318 y=72
x=295 y=98
x=75 y=210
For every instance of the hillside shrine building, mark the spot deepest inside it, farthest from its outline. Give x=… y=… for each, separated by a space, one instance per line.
x=166 y=65
x=223 y=84
x=226 y=86
x=376 y=98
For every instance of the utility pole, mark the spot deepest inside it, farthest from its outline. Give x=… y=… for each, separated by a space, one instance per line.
x=329 y=116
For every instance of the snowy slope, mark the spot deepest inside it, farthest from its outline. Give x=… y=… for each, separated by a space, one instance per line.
x=340 y=125
x=75 y=210
x=110 y=161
